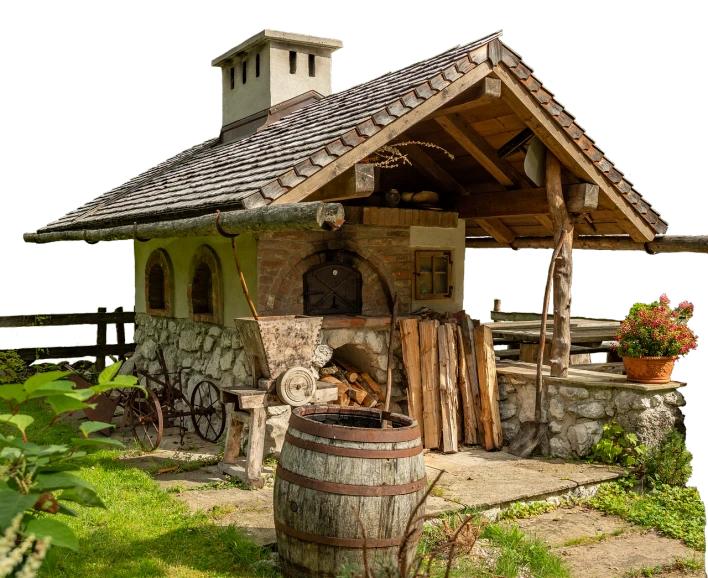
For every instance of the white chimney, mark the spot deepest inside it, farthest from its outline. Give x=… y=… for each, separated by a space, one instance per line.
x=270 y=75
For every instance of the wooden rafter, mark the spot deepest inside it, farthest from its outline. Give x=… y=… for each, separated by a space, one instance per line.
x=486 y=91
x=497 y=229
x=515 y=94
x=386 y=134
x=354 y=183
x=459 y=129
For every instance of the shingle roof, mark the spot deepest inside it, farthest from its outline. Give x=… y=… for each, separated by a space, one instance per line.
x=260 y=168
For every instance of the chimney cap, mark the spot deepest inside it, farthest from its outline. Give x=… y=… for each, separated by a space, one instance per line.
x=291 y=38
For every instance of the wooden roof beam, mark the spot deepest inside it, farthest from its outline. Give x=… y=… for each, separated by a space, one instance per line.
x=486 y=91
x=580 y=198
x=498 y=230
x=354 y=183
x=660 y=244
x=536 y=117
x=459 y=129
x=422 y=162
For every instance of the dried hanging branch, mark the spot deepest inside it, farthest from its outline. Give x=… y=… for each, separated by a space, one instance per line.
x=391 y=157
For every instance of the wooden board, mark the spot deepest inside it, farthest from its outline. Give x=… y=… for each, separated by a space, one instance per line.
x=469 y=419
x=467 y=327
x=430 y=382
x=447 y=358
x=488 y=387
x=410 y=344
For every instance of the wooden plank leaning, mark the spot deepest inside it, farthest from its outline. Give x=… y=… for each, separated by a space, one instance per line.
x=488 y=387
x=469 y=417
x=467 y=326
x=410 y=344
x=447 y=357
x=430 y=381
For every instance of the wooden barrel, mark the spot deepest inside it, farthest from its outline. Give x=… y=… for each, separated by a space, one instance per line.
x=334 y=458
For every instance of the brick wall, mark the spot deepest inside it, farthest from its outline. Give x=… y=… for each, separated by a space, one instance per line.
x=381 y=253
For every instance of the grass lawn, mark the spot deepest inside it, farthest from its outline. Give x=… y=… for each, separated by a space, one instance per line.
x=144 y=531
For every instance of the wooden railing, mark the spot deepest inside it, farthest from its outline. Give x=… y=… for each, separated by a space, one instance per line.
x=100 y=350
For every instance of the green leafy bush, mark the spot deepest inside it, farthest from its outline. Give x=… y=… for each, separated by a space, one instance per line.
x=36 y=481
x=617 y=447
x=670 y=462
x=11 y=367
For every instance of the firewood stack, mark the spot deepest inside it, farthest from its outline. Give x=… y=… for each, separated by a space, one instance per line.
x=452 y=382
x=355 y=387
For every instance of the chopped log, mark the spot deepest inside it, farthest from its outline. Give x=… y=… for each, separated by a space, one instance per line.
x=357 y=393
x=342 y=389
x=489 y=388
x=467 y=326
x=430 y=382
x=469 y=420
x=664 y=244
x=563 y=273
x=354 y=183
x=447 y=357
x=373 y=385
x=291 y=217
x=369 y=392
x=410 y=344
x=350 y=372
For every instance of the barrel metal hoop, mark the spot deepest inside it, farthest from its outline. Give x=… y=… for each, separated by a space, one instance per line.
x=352 y=452
x=349 y=489
x=342 y=542
x=368 y=435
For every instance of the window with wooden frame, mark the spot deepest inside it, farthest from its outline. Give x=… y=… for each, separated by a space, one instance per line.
x=158 y=284
x=433 y=275
x=204 y=286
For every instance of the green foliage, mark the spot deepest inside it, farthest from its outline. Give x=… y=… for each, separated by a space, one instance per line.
x=250 y=556
x=521 y=510
x=677 y=512
x=37 y=481
x=670 y=462
x=617 y=447
x=11 y=367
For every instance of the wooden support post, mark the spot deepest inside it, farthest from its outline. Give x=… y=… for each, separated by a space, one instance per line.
x=430 y=382
x=120 y=332
x=101 y=339
x=410 y=344
x=447 y=356
x=563 y=274
x=232 y=448
x=469 y=419
x=488 y=386
x=467 y=327
x=256 y=442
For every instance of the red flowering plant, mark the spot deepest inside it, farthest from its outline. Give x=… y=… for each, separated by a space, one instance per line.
x=656 y=330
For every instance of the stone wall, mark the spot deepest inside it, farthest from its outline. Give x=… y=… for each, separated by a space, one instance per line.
x=202 y=351
x=576 y=412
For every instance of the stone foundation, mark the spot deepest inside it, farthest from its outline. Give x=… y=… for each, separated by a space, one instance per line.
x=577 y=407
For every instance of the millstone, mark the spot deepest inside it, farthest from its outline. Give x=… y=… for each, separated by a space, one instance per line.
x=296 y=386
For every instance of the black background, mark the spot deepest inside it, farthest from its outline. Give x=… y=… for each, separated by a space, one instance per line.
x=87 y=98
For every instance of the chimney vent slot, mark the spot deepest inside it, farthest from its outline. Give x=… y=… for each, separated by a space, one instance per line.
x=243 y=72
x=293 y=62
x=311 y=64
x=258 y=65
x=232 y=78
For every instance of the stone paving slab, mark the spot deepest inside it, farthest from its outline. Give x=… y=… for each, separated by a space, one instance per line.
x=485 y=480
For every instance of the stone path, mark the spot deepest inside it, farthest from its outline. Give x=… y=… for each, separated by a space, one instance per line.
x=594 y=545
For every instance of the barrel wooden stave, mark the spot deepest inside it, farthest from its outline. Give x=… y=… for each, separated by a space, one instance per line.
x=318 y=513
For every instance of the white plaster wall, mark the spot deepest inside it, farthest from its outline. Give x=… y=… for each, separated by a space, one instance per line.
x=284 y=85
x=181 y=251
x=254 y=96
x=448 y=239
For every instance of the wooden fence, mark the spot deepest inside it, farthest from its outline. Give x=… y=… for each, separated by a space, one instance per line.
x=100 y=350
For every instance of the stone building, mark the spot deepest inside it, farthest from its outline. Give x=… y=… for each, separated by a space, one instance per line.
x=399 y=175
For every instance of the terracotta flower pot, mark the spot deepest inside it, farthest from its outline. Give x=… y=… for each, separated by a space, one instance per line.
x=649 y=369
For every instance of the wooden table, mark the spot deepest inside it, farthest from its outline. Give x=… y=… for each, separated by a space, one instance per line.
x=523 y=337
x=249 y=406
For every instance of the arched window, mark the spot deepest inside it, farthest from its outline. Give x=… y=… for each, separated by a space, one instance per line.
x=332 y=289
x=204 y=286
x=158 y=284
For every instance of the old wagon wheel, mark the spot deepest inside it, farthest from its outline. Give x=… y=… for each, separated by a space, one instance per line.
x=208 y=413
x=146 y=421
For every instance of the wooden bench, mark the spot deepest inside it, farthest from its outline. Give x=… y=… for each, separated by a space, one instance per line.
x=249 y=406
